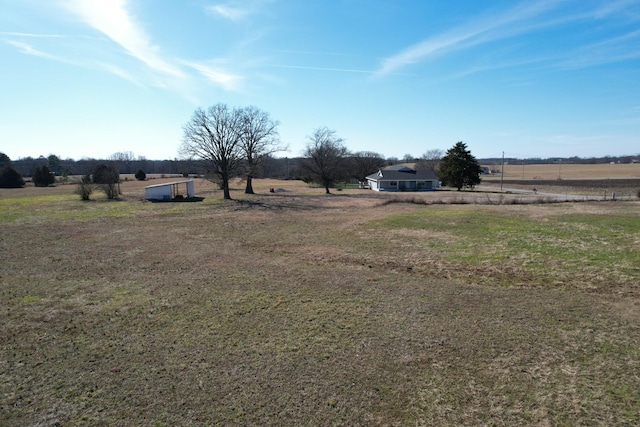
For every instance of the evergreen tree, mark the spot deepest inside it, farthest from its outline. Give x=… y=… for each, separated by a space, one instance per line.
x=140 y=175
x=10 y=178
x=43 y=177
x=4 y=160
x=459 y=168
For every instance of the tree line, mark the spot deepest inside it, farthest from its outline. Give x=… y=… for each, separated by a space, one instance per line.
x=222 y=143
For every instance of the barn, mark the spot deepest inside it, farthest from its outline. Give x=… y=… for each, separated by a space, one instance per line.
x=177 y=190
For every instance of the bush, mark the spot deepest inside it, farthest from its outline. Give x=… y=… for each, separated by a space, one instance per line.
x=110 y=190
x=85 y=187
x=140 y=175
x=10 y=178
x=108 y=179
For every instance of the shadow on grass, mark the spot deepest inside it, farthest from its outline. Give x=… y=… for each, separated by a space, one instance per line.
x=179 y=200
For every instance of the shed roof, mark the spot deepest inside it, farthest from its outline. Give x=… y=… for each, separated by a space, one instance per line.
x=169 y=183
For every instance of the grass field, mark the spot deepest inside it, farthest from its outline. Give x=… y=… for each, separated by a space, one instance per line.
x=568 y=171
x=296 y=308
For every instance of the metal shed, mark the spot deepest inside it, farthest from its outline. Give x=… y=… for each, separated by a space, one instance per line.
x=168 y=191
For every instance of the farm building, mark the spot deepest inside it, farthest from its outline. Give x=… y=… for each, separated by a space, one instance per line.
x=177 y=190
x=403 y=179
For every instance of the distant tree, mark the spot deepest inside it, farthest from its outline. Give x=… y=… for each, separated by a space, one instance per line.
x=108 y=179
x=214 y=137
x=392 y=160
x=459 y=168
x=85 y=187
x=43 y=177
x=123 y=160
x=364 y=163
x=325 y=157
x=408 y=158
x=140 y=175
x=10 y=178
x=430 y=160
x=258 y=140
x=54 y=163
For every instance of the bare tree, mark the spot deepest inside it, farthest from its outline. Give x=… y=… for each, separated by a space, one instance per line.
x=365 y=163
x=325 y=157
x=123 y=160
x=408 y=158
x=431 y=160
x=214 y=136
x=259 y=139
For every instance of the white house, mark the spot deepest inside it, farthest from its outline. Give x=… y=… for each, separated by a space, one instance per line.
x=403 y=179
x=168 y=191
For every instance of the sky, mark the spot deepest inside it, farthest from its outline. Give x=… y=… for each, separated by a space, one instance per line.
x=530 y=79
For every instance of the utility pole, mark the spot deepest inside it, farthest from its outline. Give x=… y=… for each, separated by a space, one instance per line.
x=502 y=171
x=559 y=168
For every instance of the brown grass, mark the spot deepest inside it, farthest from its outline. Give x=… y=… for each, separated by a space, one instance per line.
x=296 y=308
x=568 y=171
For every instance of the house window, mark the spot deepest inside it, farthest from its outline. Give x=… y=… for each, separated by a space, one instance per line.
x=421 y=184
x=393 y=183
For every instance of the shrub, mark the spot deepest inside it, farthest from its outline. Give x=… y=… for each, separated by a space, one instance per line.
x=108 y=179
x=85 y=187
x=110 y=190
x=10 y=178
x=140 y=175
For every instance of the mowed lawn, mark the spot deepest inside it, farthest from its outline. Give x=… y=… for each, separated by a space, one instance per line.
x=297 y=308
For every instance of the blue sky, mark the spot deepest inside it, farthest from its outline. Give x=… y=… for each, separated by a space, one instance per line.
x=549 y=78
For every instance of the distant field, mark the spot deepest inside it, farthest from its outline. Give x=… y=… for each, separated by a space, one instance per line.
x=566 y=171
x=299 y=308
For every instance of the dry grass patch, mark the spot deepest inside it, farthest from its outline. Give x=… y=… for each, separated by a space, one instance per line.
x=300 y=309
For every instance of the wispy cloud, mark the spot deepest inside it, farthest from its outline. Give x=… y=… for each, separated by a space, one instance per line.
x=228 y=11
x=621 y=48
x=225 y=79
x=31 y=35
x=28 y=49
x=237 y=10
x=113 y=19
x=524 y=18
x=340 y=70
x=483 y=30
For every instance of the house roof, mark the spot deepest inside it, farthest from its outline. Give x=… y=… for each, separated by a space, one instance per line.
x=403 y=174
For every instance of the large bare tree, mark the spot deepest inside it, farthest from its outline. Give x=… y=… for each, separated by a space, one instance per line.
x=214 y=136
x=259 y=139
x=325 y=157
x=364 y=163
